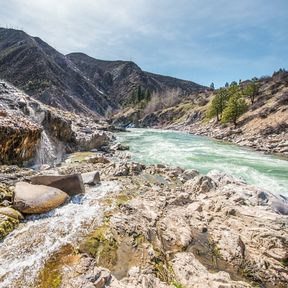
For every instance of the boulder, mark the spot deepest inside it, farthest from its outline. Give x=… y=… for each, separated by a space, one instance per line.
x=10 y=212
x=98 y=159
x=71 y=184
x=32 y=199
x=94 y=140
x=91 y=178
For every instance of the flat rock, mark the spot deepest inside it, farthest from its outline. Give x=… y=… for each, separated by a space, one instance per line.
x=32 y=199
x=91 y=178
x=71 y=184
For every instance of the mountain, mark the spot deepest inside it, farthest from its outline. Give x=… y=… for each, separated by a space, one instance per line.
x=119 y=79
x=42 y=72
x=75 y=82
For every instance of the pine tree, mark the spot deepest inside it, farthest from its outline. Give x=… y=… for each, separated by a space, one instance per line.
x=218 y=104
x=251 y=90
x=212 y=86
x=236 y=106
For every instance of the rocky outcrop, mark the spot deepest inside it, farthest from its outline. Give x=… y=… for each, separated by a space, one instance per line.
x=212 y=222
x=18 y=139
x=31 y=199
x=70 y=184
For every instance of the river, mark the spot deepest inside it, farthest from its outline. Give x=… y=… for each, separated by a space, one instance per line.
x=150 y=146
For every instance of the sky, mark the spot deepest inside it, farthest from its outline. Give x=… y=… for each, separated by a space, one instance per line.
x=199 y=40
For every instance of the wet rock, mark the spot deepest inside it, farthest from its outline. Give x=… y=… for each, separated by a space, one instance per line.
x=120 y=147
x=33 y=199
x=189 y=174
x=71 y=184
x=98 y=159
x=91 y=178
x=7 y=224
x=10 y=212
x=280 y=206
x=18 y=139
x=5 y=193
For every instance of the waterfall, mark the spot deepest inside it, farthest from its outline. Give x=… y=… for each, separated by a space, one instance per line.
x=48 y=151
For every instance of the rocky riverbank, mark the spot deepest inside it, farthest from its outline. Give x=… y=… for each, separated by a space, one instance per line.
x=263 y=127
x=96 y=219
x=163 y=227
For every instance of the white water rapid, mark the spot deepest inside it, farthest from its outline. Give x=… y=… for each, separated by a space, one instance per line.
x=150 y=146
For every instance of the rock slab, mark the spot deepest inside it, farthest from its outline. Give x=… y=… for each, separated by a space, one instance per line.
x=34 y=199
x=91 y=178
x=70 y=184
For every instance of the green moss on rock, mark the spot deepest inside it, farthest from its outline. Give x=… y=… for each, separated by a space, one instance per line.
x=102 y=246
x=7 y=224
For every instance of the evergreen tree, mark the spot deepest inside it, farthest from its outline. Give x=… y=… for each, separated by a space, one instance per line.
x=251 y=90
x=212 y=86
x=236 y=106
x=147 y=95
x=226 y=85
x=218 y=104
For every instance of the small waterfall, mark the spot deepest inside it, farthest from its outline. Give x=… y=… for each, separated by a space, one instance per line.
x=24 y=252
x=48 y=151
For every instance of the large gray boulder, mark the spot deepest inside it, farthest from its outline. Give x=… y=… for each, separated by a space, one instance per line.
x=93 y=140
x=71 y=184
x=32 y=199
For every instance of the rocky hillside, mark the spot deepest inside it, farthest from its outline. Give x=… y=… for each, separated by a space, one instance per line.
x=32 y=65
x=263 y=126
x=33 y=131
x=75 y=82
x=119 y=79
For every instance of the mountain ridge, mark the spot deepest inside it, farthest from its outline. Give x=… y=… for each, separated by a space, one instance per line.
x=76 y=82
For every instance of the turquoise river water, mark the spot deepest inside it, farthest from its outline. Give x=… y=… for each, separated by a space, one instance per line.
x=181 y=149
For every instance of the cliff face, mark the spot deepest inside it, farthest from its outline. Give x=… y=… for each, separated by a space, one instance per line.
x=18 y=139
x=19 y=136
x=27 y=126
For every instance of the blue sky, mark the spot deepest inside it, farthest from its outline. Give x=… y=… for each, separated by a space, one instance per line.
x=200 y=40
